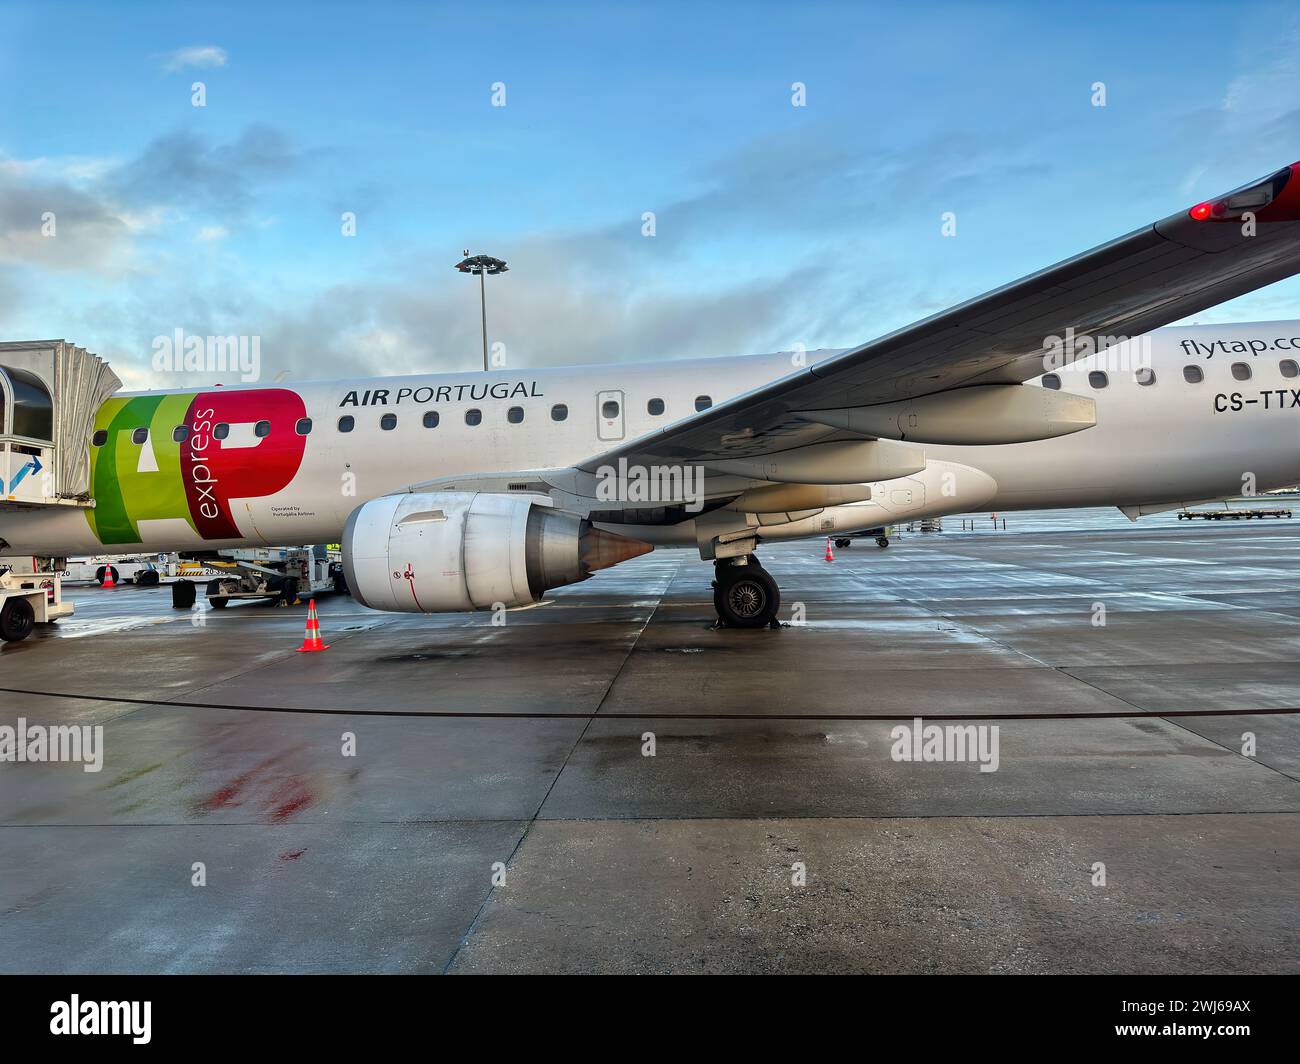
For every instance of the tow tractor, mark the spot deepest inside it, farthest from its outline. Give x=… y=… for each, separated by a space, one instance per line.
x=269 y=574
x=30 y=595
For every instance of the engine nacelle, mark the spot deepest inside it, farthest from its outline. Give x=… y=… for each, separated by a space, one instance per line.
x=447 y=551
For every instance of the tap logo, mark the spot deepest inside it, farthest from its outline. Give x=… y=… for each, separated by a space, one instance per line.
x=188 y=456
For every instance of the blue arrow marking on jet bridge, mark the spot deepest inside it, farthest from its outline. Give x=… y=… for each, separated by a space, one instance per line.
x=34 y=466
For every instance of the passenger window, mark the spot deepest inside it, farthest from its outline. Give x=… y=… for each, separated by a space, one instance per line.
x=1052 y=381
x=515 y=415
x=1193 y=374
x=262 y=429
x=473 y=416
x=609 y=408
x=303 y=427
x=703 y=402
x=181 y=433
x=1240 y=371
x=1145 y=376
x=559 y=412
x=100 y=438
x=1289 y=368
x=388 y=422
x=1098 y=379
x=655 y=407
x=221 y=431
x=431 y=419
x=139 y=435
x=347 y=423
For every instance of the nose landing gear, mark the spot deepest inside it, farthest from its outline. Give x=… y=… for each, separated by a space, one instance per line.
x=745 y=595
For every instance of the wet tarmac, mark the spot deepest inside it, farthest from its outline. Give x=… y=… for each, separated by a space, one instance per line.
x=444 y=794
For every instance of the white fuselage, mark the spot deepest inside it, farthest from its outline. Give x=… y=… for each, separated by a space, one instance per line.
x=1170 y=441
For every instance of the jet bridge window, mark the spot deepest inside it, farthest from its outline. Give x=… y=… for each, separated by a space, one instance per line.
x=703 y=402
x=139 y=435
x=655 y=407
x=1145 y=376
x=1240 y=371
x=473 y=416
x=431 y=419
x=1193 y=374
x=515 y=415
x=28 y=409
x=1289 y=368
x=1098 y=379
x=1053 y=382
x=347 y=423
x=388 y=422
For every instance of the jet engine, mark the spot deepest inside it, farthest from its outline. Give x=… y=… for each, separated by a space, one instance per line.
x=447 y=551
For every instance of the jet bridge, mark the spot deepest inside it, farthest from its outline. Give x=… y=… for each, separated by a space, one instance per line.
x=50 y=391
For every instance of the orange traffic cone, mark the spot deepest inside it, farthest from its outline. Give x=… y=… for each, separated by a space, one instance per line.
x=830 y=554
x=311 y=641
x=108 y=578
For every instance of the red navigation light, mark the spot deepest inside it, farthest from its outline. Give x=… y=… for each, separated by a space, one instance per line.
x=1201 y=211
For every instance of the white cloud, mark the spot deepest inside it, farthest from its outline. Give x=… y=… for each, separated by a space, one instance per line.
x=210 y=233
x=206 y=55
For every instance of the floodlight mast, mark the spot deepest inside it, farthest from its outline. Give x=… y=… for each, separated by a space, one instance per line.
x=482 y=265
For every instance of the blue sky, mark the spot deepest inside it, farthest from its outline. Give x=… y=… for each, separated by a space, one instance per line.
x=775 y=225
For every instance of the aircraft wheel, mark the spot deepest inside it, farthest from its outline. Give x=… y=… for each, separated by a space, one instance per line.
x=17 y=619
x=215 y=599
x=882 y=542
x=746 y=596
x=182 y=594
x=842 y=543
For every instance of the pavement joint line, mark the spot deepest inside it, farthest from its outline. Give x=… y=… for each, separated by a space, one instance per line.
x=656 y=818
x=511 y=715
x=469 y=930
x=1171 y=719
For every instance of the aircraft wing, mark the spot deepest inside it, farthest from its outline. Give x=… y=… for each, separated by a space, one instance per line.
x=1196 y=258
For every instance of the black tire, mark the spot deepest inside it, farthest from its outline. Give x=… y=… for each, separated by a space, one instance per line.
x=17 y=619
x=289 y=591
x=842 y=543
x=147 y=578
x=215 y=599
x=746 y=596
x=882 y=542
x=182 y=594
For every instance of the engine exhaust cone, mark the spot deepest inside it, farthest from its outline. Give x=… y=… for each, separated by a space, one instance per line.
x=600 y=550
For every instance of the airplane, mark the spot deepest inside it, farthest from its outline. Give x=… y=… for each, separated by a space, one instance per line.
x=483 y=490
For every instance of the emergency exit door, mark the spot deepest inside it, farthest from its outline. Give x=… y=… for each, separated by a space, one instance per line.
x=609 y=415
